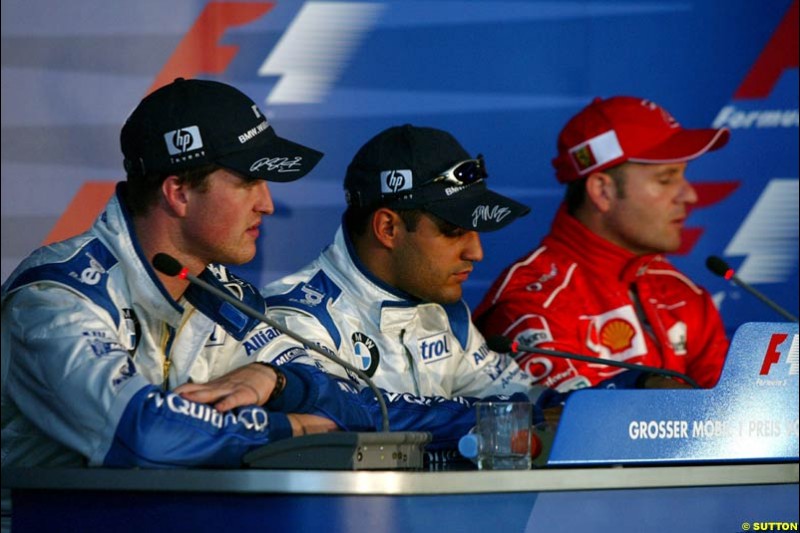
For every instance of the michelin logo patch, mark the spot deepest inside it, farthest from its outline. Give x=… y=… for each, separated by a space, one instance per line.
x=289 y=355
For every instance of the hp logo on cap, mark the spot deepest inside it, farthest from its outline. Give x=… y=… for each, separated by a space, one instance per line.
x=183 y=140
x=393 y=181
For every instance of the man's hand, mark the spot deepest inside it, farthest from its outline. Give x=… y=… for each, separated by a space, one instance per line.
x=661 y=382
x=552 y=415
x=247 y=385
x=308 y=424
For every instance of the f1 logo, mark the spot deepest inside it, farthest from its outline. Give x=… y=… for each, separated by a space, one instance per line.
x=774 y=356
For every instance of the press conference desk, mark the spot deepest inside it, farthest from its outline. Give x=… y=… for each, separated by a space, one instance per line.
x=657 y=498
x=732 y=467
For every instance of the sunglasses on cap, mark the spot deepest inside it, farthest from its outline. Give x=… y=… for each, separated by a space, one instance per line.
x=464 y=172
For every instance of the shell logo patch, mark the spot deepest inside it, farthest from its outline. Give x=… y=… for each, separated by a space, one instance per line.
x=616 y=335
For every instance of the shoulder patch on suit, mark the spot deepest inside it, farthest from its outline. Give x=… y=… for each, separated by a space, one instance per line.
x=236 y=323
x=313 y=298
x=86 y=272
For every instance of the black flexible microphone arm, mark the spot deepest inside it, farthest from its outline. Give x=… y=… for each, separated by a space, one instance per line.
x=503 y=344
x=170 y=266
x=719 y=267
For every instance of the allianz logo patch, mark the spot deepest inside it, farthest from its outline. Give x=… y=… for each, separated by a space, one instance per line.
x=434 y=348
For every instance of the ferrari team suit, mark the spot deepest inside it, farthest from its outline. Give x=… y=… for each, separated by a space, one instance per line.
x=579 y=293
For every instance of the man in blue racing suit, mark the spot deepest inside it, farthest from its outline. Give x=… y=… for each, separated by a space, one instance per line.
x=96 y=344
x=106 y=362
x=386 y=295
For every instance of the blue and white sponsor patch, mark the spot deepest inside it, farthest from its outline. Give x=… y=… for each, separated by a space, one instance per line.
x=478 y=358
x=494 y=370
x=311 y=296
x=289 y=355
x=251 y=417
x=259 y=339
x=100 y=344
x=124 y=373
x=434 y=348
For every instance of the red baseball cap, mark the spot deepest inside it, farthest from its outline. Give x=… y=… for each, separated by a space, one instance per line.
x=625 y=128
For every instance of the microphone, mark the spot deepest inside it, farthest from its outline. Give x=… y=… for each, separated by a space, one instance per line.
x=719 y=267
x=502 y=344
x=340 y=450
x=170 y=266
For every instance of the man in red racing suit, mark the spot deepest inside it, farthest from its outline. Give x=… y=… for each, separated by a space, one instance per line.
x=598 y=284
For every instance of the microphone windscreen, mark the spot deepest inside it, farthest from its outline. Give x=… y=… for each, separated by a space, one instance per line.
x=717 y=265
x=167 y=264
x=500 y=344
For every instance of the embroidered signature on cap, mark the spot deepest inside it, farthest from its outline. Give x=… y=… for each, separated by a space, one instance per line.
x=494 y=213
x=281 y=164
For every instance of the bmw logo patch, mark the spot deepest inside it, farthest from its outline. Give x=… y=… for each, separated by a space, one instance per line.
x=366 y=352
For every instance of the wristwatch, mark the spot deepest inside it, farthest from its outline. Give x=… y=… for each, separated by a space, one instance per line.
x=280 y=381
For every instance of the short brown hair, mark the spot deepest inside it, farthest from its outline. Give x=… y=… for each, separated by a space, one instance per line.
x=142 y=192
x=575 y=194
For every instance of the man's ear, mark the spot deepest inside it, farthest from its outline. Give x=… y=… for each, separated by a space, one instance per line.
x=174 y=193
x=601 y=190
x=386 y=227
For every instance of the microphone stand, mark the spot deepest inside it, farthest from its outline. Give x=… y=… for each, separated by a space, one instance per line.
x=761 y=296
x=328 y=451
x=720 y=267
x=608 y=362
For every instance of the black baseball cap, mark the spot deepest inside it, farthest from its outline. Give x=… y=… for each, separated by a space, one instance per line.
x=411 y=167
x=190 y=123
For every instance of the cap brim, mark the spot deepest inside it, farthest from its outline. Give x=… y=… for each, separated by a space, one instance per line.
x=478 y=210
x=685 y=145
x=275 y=159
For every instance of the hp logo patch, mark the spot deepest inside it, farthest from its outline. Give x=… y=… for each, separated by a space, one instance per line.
x=393 y=181
x=183 y=140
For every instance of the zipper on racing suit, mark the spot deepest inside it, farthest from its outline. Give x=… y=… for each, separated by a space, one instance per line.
x=410 y=359
x=640 y=314
x=169 y=336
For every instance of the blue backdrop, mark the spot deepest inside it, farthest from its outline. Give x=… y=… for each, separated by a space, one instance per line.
x=502 y=76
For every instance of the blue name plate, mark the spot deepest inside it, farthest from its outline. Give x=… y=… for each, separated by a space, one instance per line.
x=750 y=416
